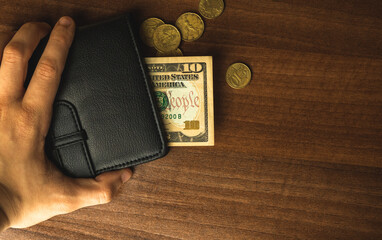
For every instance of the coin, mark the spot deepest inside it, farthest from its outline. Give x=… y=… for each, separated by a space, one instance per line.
x=191 y=26
x=166 y=38
x=147 y=30
x=211 y=9
x=238 y=75
x=176 y=52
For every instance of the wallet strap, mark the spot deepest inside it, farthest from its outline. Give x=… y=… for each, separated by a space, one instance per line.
x=68 y=137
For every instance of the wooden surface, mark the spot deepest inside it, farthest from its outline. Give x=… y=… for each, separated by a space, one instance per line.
x=298 y=152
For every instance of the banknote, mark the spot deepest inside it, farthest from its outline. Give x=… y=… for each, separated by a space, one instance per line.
x=184 y=89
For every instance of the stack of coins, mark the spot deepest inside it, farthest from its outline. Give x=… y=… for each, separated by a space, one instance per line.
x=166 y=38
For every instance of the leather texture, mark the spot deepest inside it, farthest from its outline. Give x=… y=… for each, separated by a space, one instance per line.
x=104 y=115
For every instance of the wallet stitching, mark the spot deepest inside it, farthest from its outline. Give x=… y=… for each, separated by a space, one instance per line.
x=78 y=129
x=152 y=109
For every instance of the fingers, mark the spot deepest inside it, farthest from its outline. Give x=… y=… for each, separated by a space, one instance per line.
x=43 y=87
x=101 y=189
x=4 y=39
x=15 y=59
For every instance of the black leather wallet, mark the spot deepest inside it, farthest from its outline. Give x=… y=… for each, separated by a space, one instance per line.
x=104 y=115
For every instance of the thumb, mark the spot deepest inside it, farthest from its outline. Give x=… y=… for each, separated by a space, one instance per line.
x=100 y=190
x=121 y=176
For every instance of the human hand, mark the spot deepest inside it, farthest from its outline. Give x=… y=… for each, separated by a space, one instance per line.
x=32 y=189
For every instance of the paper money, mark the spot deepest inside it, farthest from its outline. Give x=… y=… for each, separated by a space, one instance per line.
x=184 y=90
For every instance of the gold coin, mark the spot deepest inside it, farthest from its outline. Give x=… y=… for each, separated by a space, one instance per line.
x=147 y=30
x=173 y=53
x=211 y=9
x=191 y=26
x=238 y=75
x=166 y=38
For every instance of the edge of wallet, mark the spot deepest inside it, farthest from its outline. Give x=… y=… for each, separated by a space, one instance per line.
x=184 y=89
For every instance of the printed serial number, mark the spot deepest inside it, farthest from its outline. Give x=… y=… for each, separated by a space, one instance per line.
x=171 y=116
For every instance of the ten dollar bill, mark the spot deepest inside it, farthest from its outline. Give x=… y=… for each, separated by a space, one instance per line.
x=184 y=90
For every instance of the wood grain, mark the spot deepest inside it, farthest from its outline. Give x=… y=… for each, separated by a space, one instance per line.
x=298 y=152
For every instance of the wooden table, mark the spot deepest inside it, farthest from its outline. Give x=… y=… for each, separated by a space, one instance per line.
x=298 y=152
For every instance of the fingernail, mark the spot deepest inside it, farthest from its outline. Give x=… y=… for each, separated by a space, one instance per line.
x=126 y=174
x=65 y=21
